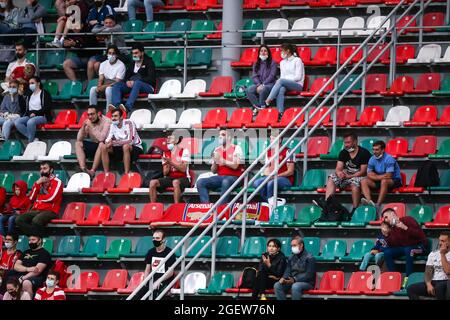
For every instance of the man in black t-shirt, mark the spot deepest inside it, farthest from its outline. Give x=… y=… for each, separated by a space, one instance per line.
x=350 y=169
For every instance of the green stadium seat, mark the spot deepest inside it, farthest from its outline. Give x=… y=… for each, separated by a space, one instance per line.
x=202 y=28
x=30 y=178
x=444 y=184
x=49 y=28
x=219 y=282
x=239 y=89
x=6 y=180
x=445 y=88
x=333 y=249
x=177 y=29
x=31 y=56
x=200 y=57
x=143 y=245
x=117 y=248
x=251 y=27
x=206 y=253
x=49 y=5
x=254 y=247
x=227 y=247
x=10 y=149
x=348 y=82
x=208 y=147
x=47 y=244
x=361 y=217
x=156 y=56
x=153 y=26
x=422 y=214
x=171 y=242
x=335 y=149
x=367 y=143
x=313 y=179
x=85 y=95
x=173 y=58
x=51 y=87
x=132 y=26
x=51 y=59
x=358 y=250
x=306 y=217
x=415 y=277
x=312 y=245
x=69 y=90
x=68 y=246
x=94 y=246
x=243 y=143
x=286 y=245
x=62 y=175
x=22 y=243
x=443 y=151
x=280 y=216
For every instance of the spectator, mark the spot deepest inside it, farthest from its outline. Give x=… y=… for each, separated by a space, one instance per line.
x=93 y=132
x=383 y=173
x=12 y=107
x=175 y=165
x=111 y=27
x=437 y=273
x=270 y=270
x=112 y=71
x=140 y=77
x=30 y=19
x=406 y=238
x=14 y=291
x=300 y=273
x=291 y=78
x=9 y=16
x=147 y=4
x=351 y=169
x=285 y=177
x=264 y=76
x=377 y=250
x=33 y=266
x=9 y=256
x=47 y=196
x=18 y=204
x=17 y=68
x=38 y=102
x=2 y=198
x=98 y=13
x=51 y=291
x=227 y=161
x=122 y=142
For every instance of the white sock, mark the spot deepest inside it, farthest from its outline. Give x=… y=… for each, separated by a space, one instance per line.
x=61 y=39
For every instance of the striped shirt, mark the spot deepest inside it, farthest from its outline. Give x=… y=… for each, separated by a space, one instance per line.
x=57 y=294
x=127 y=134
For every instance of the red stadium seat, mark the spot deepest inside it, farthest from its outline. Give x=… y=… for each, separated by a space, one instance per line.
x=264 y=118
x=294 y=2
x=402 y=54
x=269 y=4
x=122 y=214
x=399 y=209
x=216 y=35
x=442 y=219
x=411 y=188
x=347 y=52
x=97 y=215
x=215 y=118
x=387 y=284
x=237 y=289
x=314 y=120
x=423 y=146
x=325 y=55
x=444 y=120
x=135 y=281
x=127 y=183
x=240 y=117
x=159 y=146
x=316 y=146
x=287 y=117
x=397 y=146
x=423 y=116
x=304 y=53
x=150 y=212
x=369 y=117
x=403 y=21
x=375 y=83
x=87 y=281
x=115 y=279
x=276 y=54
x=73 y=213
x=191 y=144
x=176 y=4
x=318 y=84
x=358 y=283
x=172 y=216
x=248 y=58
x=332 y=281
x=385 y=56
x=201 y=5
x=250 y=4
x=433 y=19
x=63 y=120
x=320 y=3
x=345 y=3
x=400 y=86
x=101 y=182
x=219 y=86
x=78 y=125
x=344 y=116
x=426 y=83
x=296 y=93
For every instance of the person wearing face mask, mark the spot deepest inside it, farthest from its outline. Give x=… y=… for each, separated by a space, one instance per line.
x=140 y=77
x=51 y=290
x=383 y=173
x=9 y=256
x=292 y=76
x=264 y=76
x=270 y=269
x=122 y=143
x=12 y=107
x=98 y=13
x=9 y=15
x=300 y=273
x=175 y=165
x=46 y=196
x=30 y=20
x=111 y=71
x=19 y=63
x=93 y=131
x=14 y=291
x=227 y=161
x=18 y=204
x=32 y=268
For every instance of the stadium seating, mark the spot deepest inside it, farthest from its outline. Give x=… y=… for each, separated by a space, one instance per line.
x=331 y=282
x=10 y=149
x=219 y=282
x=115 y=279
x=442 y=219
x=163 y=119
x=96 y=216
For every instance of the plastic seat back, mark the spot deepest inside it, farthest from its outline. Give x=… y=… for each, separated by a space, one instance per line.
x=227 y=246
x=396 y=147
x=115 y=279
x=141 y=117
x=312 y=245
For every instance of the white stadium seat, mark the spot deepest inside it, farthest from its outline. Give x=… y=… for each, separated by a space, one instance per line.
x=32 y=151
x=301 y=28
x=192 y=282
x=374 y=23
x=395 y=117
x=445 y=58
x=141 y=117
x=353 y=26
x=192 y=89
x=278 y=25
x=427 y=54
x=187 y=119
x=57 y=151
x=327 y=23
x=77 y=182
x=167 y=90
x=123 y=6
x=163 y=119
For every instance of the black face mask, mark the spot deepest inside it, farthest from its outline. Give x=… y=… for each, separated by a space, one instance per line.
x=157 y=243
x=13 y=293
x=20 y=55
x=45 y=174
x=98 y=4
x=33 y=245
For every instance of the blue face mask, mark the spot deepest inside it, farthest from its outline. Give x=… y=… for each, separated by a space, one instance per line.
x=116 y=122
x=12 y=90
x=170 y=146
x=136 y=58
x=32 y=87
x=50 y=283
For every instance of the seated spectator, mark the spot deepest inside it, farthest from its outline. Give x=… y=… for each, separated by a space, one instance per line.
x=61 y=6
x=30 y=19
x=33 y=266
x=9 y=256
x=93 y=131
x=377 y=250
x=98 y=13
x=16 y=69
x=175 y=165
x=383 y=173
x=112 y=70
x=68 y=21
x=110 y=26
x=291 y=78
x=140 y=77
x=14 y=291
x=12 y=107
x=51 y=291
x=38 y=102
x=9 y=15
x=18 y=204
x=47 y=196
x=285 y=177
x=263 y=76
x=300 y=273
x=406 y=238
x=147 y=4
x=270 y=270
x=437 y=273
x=227 y=161
x=122 y=142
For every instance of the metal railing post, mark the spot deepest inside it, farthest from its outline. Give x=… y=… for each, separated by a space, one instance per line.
x=275 y=178
x=336 y=84
x=214 y=244
x=185 y=60
x=363 y=82
x=305 y=144
x=392 y=62
x=244 y=213
x=183 y=267
x=422 y=8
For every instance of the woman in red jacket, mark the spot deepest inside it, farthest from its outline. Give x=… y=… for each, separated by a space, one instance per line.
x=18 y=204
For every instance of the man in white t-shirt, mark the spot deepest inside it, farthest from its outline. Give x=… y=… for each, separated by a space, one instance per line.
x=21 y=61
x=111 y=71
x=437 y=273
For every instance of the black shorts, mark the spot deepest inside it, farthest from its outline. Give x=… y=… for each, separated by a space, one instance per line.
x=90 y=148
x=118 y=153
x=397 y=184
x=166 y=182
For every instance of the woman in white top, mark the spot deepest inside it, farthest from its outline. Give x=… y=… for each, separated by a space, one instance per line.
x=292 y=75
x=111 y=71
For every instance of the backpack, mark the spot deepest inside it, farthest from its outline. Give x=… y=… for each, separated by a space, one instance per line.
x=61 y=268
x=333 y=210
x=248 y=278
x=427 y=175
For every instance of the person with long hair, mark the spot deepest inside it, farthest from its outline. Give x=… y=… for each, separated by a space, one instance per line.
x=14 y=291
x=9 y=16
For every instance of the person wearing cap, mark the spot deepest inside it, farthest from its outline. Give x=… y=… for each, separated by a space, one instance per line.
x=175 y=165
x=285 y=174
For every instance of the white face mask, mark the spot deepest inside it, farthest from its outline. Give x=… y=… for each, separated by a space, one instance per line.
x=283 y=55
x=8 y=245
x=112 y=58
x=3 y=5
x=379 y=157
x=12 y=90
x=222 y=141
x=351 y=149
x=32 y=87
x=295 y=250
x=263 y=58
x=116 y=123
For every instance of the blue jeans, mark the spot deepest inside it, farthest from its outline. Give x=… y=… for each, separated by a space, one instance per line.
x=11 y=218
x=368 y=256
x=296 y=290
x=120 y=88
x=27 y=125
x=266 y=192
x=279 y=89
x=212 y=183
x=391 y=253
x=251 y=95
x=147 y=4
x=7 y=126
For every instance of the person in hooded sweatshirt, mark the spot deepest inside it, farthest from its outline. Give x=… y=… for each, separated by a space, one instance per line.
x=18 y=204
